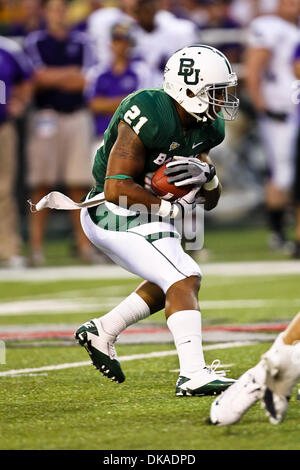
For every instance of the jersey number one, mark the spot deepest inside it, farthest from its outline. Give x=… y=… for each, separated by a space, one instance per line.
x=131 y=115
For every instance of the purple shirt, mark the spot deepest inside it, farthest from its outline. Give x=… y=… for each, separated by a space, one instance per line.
x=14 y=69
x=20 y=29
x=295 y=58
x=107 y=84
x=45 y=50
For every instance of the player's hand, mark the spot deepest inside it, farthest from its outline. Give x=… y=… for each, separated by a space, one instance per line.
x=185 y=204
x=189 y=170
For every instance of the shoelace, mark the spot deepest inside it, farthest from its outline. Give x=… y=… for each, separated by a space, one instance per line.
x=214 y=366
x=111 y=350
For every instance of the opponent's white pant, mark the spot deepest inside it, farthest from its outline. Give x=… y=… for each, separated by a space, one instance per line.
x=279 y=140
x=162 y=261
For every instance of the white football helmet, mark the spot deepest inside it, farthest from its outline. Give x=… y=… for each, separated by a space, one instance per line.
x=198 y=77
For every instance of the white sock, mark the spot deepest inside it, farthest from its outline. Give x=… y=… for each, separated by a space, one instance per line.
x=129 y=311
x=186 y=329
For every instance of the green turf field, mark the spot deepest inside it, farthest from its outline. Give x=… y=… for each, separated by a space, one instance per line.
x=77 y=408
x=222 y=244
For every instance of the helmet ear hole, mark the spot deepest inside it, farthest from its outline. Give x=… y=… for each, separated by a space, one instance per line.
x=189 y=93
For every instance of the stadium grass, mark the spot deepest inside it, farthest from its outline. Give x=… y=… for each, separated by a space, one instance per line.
x=283 y=291
x=221 y=243
x=80 y=409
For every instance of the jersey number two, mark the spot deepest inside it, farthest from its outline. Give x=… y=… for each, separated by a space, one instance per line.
x=131 y=115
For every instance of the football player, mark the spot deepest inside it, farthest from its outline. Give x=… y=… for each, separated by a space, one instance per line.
x=269 y=74
x=184 y=119
x=272 y=380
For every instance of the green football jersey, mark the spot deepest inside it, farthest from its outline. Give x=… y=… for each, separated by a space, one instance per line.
x=152 y=115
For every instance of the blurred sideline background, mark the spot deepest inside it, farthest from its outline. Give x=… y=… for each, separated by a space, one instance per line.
x=96 y=52
x=237 y=229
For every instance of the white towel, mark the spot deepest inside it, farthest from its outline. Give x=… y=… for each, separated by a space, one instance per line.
x=57 y=200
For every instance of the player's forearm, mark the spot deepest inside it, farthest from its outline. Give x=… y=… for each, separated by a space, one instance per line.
x=253 y=85
x=255 y=64
x=297 y=68
x=254 y=91
x=69 y=78
x=75 y=82
x=212 y=197
x=102 y=104
x=127 y=193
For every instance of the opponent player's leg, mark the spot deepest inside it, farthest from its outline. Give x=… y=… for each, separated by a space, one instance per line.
x=271 y=380
x=296 y=251
x=282 y=364
x=279 y=143
x=184 y=321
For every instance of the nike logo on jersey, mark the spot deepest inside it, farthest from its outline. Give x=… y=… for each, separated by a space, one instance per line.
x=196 y=145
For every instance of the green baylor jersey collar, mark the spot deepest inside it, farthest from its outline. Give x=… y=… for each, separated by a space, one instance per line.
x=152 y=115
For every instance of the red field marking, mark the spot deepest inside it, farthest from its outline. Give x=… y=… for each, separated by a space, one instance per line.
x=70 y=334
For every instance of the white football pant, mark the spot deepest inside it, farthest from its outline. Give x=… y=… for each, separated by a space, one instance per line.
x=162 y=261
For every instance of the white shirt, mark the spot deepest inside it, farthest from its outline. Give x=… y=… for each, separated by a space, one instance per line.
x=169 y=35
x=280 y=37
x=155 y=47
x=99 y=28
x=243 y=11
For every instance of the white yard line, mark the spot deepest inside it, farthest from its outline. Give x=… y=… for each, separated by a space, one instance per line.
x=93 y=304
x=70 y=365
x=251 y=268
x=98 y=293
x=54 y=306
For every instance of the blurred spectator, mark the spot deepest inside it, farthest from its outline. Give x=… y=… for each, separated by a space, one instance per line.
x=219 y=18
x=244 y=11
x=10 y=12
x=158 y=34
x=296 y=252
x=101 y=22
x=32 y=19
x=193 y=10
x=269 y=77
x=109 y=85
x=79 y=12
x=59 y=148
x=15 y=95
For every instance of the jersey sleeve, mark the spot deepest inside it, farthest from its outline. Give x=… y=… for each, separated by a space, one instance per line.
x=136 y=112
x=262 y=34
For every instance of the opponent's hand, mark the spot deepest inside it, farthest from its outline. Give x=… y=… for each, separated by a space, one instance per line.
x=189 y=170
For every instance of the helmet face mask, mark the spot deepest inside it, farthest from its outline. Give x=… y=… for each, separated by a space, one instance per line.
x=201 y=80
x=221 y=103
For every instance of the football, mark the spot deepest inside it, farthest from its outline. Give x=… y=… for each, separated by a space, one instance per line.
x=165 y=190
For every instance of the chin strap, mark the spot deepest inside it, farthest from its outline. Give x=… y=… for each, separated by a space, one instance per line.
x=203 y=117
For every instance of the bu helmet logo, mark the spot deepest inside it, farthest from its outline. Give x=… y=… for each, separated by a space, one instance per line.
x=187 y=70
